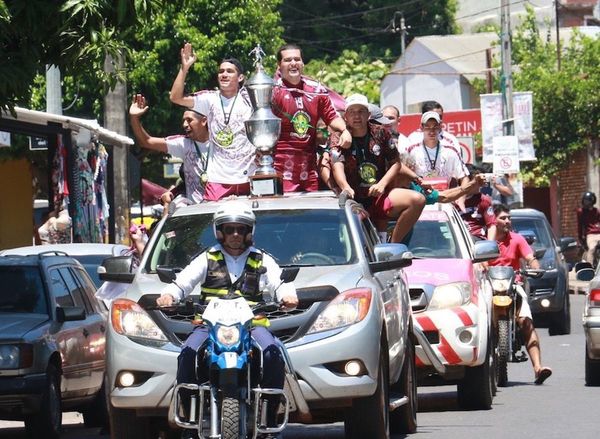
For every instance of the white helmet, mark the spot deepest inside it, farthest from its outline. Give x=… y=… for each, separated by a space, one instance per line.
x=234 y=211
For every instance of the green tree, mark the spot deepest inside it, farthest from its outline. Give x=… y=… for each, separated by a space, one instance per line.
x=350 y=73
x=326 y=28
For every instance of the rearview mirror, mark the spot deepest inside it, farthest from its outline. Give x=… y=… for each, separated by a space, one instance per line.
x=167 y=274
x=288 y=274
x=116 y=269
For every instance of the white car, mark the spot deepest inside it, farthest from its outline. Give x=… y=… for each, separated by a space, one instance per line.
x=451 y=303
x=591 y=327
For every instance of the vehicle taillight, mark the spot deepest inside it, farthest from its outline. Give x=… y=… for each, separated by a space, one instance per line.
x=595 y=297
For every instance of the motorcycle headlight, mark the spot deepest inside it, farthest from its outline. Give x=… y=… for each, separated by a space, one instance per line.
x=228 y=335
x=16 y=356
x=500 y=285
x=450 y=295
x=131 y=320
x=346 y=309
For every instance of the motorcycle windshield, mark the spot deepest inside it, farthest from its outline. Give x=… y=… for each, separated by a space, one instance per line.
x=501 y=272
x=228 y=312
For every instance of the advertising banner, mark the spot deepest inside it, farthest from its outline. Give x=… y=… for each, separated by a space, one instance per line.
x=491 y=123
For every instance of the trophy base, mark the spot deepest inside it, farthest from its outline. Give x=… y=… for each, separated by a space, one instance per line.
x=264 y=185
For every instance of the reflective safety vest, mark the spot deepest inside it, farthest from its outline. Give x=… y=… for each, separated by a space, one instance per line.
x=218 y=282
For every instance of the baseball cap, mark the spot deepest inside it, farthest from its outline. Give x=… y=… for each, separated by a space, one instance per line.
x=377 y=115
x=430 y=115
x=357 y=99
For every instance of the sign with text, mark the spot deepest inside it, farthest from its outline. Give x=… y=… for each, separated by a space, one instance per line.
x=491 y=120
x=506 y=155
x=4 y=138
x=467 y=149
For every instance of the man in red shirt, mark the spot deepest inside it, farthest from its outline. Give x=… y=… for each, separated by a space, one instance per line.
x=588 y=225
x=300 y=102
x=513 y=248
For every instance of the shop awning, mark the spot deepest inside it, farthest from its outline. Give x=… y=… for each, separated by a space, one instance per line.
x=73 y=123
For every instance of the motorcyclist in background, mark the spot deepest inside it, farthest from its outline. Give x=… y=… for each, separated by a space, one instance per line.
x=588 y=225
x=233 y=262
x=513 y=248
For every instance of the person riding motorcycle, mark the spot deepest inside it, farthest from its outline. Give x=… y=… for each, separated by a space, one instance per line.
x=513 y=248
x=588 y=225
x=233 y=263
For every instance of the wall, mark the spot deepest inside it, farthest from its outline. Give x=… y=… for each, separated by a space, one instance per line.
x=572 y=183
x=16 y=204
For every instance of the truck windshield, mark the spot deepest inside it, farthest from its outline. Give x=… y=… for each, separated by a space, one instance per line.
x=316 y=237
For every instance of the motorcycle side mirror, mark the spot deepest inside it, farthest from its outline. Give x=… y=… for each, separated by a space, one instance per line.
x=167 y=274
x=288 y=274
x=539 y=254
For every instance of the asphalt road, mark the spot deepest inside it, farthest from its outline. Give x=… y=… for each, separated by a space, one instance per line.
x=562 y=407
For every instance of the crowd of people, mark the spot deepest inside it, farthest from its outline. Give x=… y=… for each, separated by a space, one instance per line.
x=356 y=151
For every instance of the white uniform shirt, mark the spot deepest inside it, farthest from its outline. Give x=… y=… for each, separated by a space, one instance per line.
x=434 y=162
x=195 y=157
x=417 y=137
x=195 y=273
x=228 y=163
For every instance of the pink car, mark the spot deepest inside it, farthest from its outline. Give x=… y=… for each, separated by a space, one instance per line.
x=451 y=302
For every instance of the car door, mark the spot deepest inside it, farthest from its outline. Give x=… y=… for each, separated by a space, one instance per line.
x=95 y=322
x=69 y=337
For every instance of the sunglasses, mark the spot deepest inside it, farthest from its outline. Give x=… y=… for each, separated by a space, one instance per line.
x=230 y=230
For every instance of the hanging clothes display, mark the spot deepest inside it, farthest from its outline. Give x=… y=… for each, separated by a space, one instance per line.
x=87 y=224
x=99 y=166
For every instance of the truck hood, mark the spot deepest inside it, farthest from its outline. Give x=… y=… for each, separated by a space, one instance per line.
x=439 y=271
x=15 y=326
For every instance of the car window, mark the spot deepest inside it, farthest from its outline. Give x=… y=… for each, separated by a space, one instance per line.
x=292 y=237
x=88 y=288
x=91 y=263
x=75 y=289
x=22 y=290
x=59 y=289
x=433 y=237
x=537 y=227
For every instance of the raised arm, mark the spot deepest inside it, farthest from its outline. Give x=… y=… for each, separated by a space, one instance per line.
x=188 y=58
x=136 y=111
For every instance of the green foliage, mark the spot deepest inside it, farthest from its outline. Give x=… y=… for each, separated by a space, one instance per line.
x=350 y=73
x=326 y=28
x=566 y=102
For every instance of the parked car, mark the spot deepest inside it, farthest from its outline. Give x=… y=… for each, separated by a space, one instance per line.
x=90 y=255
x=591 y=328
x=353 y=355
x=548 y=295
x=451 y=302
x=52 y=343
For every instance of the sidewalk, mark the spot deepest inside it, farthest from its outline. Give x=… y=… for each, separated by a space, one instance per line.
x=577 y=286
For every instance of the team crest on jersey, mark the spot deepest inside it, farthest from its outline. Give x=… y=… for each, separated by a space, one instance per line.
x=368 y=172
x=301 y=124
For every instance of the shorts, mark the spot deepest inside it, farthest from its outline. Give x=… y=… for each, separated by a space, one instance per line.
x=525 y=310
x=216 y=191
x=381 y=208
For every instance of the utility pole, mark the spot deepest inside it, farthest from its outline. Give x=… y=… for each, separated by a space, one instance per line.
x=115 y=109
x=556 y=10
x=506 y=86
x=402 y=29
x=53 y=90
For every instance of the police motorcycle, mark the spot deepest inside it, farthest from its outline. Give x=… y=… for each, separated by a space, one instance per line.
x=506 y=302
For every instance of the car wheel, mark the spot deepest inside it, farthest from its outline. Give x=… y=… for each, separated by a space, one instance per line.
x=369 y=417
x=404 y=419
x=592 y=370
x=476 y=389
x=47 y=422
x=560 y=323
x=502 y=353
x=96 y=414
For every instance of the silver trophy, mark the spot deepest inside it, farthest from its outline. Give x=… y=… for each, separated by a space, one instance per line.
x=263 y=129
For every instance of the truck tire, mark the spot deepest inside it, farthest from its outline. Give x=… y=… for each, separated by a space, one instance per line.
x=476 y=390
x=502 y=354
x=124 y=424
x=47 y=422
x=592 y=370
x=404 y=419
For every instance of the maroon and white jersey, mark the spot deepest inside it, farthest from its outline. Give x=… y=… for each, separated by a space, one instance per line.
x=299 y=107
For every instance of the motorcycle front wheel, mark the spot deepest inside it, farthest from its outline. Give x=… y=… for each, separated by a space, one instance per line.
x=502 y=353
x=230 y=418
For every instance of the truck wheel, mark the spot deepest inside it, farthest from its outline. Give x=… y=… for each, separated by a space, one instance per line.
x=476 y=389
x=47 y=422
x=592 y=370
x=230 y=418
x=370 y=416
x=96 y=414
x=124 y=424
x=404 y=419
x=502 y=353
x=560 y=323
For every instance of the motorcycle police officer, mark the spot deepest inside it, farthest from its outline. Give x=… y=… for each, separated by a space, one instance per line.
x=233 y=262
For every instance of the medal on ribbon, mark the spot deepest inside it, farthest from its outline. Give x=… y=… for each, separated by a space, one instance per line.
x=224 y=137
x=368 y=172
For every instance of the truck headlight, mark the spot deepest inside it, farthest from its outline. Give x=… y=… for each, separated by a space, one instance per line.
x=16 y=356
x=450 y=295
x=131 y=320
x=346 y=309
x=228 y=335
